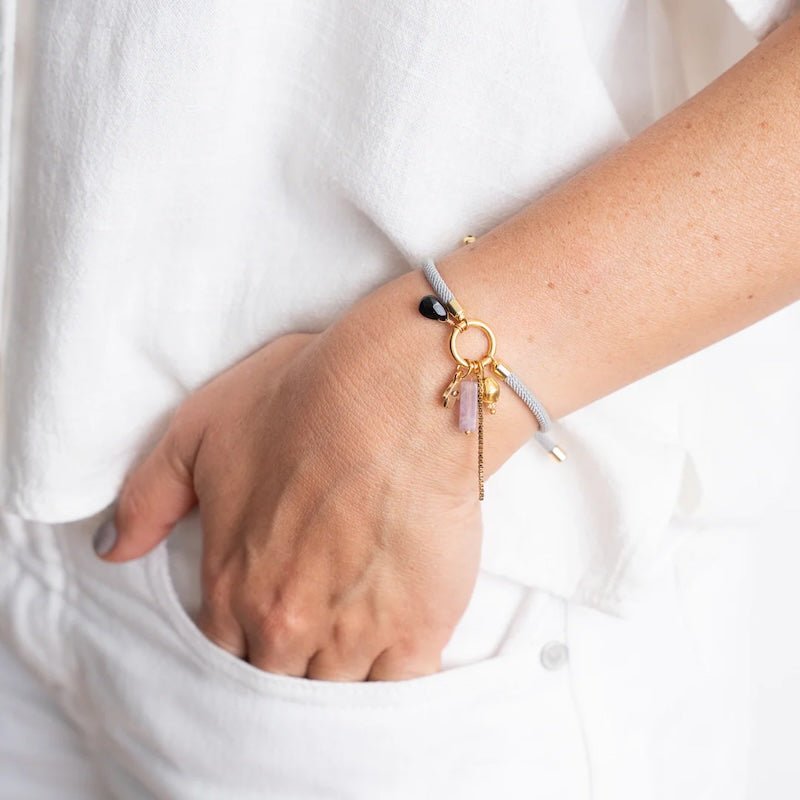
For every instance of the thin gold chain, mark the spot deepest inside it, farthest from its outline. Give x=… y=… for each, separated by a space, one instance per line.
x=480 y=377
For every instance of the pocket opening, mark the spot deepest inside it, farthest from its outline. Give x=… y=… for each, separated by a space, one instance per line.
x=490 y=676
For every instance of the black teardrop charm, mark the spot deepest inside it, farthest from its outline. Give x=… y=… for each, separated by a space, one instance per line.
x=431 y=308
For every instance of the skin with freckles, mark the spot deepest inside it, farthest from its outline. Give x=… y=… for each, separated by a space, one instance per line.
x=341 y=526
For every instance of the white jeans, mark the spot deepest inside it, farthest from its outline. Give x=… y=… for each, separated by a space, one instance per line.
x=108 y=689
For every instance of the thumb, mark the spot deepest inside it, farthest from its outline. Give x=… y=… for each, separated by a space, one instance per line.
x=154 y=496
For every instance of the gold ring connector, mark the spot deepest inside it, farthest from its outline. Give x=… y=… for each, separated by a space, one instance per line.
x=487 y=359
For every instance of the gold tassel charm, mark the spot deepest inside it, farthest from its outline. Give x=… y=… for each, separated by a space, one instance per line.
x=452 y=392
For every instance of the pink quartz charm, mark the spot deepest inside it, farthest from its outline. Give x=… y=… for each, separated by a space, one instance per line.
x=468 y=405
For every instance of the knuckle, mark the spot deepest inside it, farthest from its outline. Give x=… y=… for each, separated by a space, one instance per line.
x=181 y=441
x=215 y=586
x=186 y=430
x=280 y=624
x=347 y=630
x=185 y=418
x=133 y=505
x=410 y=648
x=173 y=455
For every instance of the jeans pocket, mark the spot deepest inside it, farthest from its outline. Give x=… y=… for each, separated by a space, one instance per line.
x=174 y=570
x=180 y=717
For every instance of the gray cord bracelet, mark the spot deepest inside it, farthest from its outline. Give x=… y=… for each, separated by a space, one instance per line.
x=448 y=309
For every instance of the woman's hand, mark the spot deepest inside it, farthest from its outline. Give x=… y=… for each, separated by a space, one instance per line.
x=341 y=527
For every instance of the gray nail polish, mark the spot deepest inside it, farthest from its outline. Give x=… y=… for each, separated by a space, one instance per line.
x=104 y=538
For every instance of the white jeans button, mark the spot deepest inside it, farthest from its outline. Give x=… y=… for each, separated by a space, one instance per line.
x=554 y=655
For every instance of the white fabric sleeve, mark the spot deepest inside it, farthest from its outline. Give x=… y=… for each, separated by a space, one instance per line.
x=8 y=9
x=762 y=16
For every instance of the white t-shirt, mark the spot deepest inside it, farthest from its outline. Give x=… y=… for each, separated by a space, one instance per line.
x=189 y=180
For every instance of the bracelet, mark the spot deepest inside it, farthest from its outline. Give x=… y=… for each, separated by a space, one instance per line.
x=483 y=389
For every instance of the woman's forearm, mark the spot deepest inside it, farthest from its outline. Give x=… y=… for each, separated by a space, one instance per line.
x=341 y=533
x=684 y=235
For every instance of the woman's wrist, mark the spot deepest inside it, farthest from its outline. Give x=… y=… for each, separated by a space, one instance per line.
x=416 y=350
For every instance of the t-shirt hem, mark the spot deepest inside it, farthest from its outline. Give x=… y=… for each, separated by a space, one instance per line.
x=58 y=505
x=761 y=17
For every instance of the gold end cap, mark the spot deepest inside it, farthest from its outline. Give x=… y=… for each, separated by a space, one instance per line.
x=454 y=307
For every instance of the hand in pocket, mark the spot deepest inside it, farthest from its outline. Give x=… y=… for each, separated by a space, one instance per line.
x=341 y=527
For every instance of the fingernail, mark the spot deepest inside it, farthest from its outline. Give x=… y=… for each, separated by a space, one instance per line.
x=104 y=538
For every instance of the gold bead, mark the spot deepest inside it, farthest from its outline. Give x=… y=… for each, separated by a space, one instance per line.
x=491 y=393
x=468 y=239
